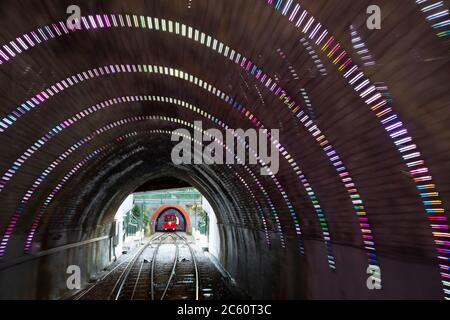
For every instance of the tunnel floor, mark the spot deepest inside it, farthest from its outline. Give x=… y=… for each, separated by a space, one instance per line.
x=167 y=266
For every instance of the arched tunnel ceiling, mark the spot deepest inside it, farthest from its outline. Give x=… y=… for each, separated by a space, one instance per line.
x=364 y=149
x=162 y=183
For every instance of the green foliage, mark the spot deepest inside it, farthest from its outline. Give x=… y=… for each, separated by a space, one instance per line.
x=136 y=212
x=146 y=217
x=202 y=226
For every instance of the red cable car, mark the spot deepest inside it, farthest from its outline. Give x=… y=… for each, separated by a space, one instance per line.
x=170 y=222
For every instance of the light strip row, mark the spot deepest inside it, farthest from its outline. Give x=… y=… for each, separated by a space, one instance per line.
x=96 y=153
x=437 y=14
x=70 y=122
x=318 y=62
x=103 y=21
x=403 y=142
x=111 y=69
x=15 y=217
x=141 y=118
x=360 y=47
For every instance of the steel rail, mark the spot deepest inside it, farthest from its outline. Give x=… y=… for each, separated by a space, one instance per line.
x=197 y=277
x=137 y=280
x=152 y=270
x=87 y=290
x=175 y=262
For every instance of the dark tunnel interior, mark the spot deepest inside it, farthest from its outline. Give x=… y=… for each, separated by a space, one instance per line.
x=358 y=208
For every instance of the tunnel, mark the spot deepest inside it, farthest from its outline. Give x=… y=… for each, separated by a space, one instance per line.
x=349 y=98
x=178 y=211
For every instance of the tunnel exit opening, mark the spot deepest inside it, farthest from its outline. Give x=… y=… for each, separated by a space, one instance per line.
x=170 y=218
x=147 y=212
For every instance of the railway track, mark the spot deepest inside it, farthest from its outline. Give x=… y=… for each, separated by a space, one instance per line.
x=105 y=287
x=165 y=268
x=134 y=281
x=179 y=279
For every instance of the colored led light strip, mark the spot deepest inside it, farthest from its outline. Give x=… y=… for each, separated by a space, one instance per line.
x=317 y=61
x=97 y=153
x=360 y=47
x=258 y=206
x=319 y=38
x=35 y=224
x=111 y=69
x=73 y=120
x=153 y=23
x=290 y=67
x=68 y=122
x=437 y=14
x=15 y=217
x=395 y=128
x=244 y=63
x=308 y=104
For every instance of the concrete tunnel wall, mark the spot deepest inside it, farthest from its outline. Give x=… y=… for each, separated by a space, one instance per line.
x=363 y=176
x=50 y=279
